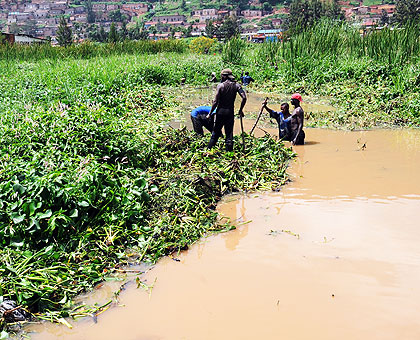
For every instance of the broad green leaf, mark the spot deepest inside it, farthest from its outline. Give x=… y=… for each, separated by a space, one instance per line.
x=17 y=218
x=83 y=204
x=32 y=208
x=19 y=188
x=46 y=214
x=74 y=213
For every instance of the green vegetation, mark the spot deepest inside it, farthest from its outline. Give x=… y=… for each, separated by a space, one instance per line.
x=88 y=50
x=305 y=13
x=64 y=34
x=91 y=174
x=372 y=79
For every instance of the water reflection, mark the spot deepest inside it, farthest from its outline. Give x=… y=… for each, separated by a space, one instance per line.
x=232 y=239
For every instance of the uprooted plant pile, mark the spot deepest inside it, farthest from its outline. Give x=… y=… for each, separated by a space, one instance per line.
x=92 y=175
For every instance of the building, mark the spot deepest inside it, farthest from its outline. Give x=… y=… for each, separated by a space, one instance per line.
x=167 y=19
x=22 y=39
x=205 y=14
x=134 y=8
x=252 y=13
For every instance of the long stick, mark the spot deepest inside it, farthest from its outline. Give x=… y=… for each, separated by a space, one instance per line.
x=259 y=116
x=243 y=133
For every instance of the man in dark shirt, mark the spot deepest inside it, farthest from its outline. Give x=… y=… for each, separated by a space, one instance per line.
x=225 y=102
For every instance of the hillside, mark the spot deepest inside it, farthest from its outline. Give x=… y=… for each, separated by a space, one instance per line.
x=91 y=19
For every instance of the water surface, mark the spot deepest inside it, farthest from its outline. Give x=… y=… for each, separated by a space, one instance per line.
x=334 y=255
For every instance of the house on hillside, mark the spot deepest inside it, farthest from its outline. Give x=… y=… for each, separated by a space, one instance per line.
x=389 y=9
x=134 y=9
x=276 y=22
x=30 y=8
x=167 y=19
x=22 y=39
x=205 y=14
x=252 y=13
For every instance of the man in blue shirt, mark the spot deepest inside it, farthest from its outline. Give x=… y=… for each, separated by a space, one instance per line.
x=283 y=120
x=246 y=79
x=199 y=119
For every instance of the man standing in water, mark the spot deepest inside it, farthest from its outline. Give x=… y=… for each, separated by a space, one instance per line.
x=296 y=121
x=283 y=120
x=225 y=102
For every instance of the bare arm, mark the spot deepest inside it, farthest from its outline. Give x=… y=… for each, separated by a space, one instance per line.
x=215 y=101
x=270 y=111
x=243 y=102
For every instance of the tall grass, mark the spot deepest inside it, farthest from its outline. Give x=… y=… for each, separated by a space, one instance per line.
x=339 y=39
x=89 y=49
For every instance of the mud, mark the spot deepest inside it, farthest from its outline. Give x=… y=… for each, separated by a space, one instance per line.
x=334 y=255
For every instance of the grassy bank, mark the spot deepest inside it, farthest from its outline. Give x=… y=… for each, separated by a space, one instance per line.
x=90 y=176
x=89 y=50
x=372 y=79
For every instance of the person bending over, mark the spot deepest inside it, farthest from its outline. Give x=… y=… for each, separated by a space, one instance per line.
x=200 y=119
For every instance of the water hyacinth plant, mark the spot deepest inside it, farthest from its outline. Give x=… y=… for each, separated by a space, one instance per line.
x=90 y=173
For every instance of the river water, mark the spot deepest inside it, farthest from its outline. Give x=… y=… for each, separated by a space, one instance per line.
x=334 y=255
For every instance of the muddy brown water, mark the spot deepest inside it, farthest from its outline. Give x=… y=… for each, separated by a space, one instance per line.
x=334 y=255
x=191 y=98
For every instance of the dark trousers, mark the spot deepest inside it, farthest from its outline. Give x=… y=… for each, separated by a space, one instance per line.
x=300 y=140
x=200 y=121
x=224 y=118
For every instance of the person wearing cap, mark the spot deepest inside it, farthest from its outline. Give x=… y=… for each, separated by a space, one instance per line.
x=296 y=121
x=225 y=102
x=199 y=119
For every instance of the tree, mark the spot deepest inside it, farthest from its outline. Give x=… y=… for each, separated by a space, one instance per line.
x=138 y=32
x=211 y=29
x=90 y=13
x=102 y=35
x=117 y=16
x=305 y=13
x=124 y=31
x=79 y=30
x=229 y=28
x=333 y=10
x=241 y=4
x=384 y=18
x=64 y=35
x=14 y=28
x=407 y=11
x=113 y=34
x=267 y=7
x=29 y=27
